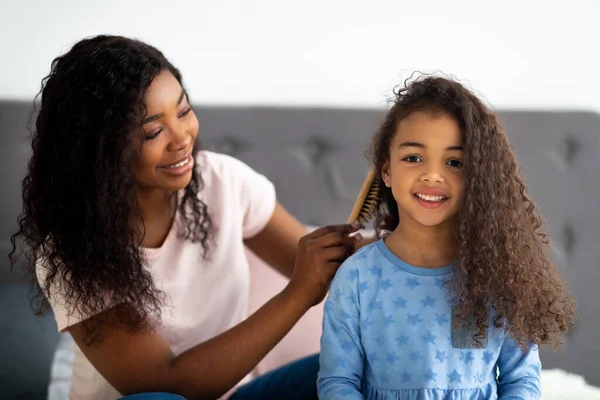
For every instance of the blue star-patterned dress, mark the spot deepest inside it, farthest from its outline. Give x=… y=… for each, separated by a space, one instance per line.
x=387 y=334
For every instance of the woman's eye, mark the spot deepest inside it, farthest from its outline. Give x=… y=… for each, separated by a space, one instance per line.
x=455 y=163
x=186 y=112
x=412 y=159
x=153 y=134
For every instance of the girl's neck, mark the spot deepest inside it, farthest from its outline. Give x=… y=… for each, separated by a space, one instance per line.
x=421 y=246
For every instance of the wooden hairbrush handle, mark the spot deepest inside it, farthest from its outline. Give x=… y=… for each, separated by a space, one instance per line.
x=359 y=204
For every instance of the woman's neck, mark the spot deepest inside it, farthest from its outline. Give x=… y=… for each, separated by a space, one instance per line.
x=427 y=247
x=156 y=212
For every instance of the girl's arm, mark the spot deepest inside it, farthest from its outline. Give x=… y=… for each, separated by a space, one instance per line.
x=341 y=358
x=519 y=372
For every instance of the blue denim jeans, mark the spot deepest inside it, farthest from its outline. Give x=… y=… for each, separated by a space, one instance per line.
x=294 y=381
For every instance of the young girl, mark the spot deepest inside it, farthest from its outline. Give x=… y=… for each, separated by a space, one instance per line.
x=463 y=285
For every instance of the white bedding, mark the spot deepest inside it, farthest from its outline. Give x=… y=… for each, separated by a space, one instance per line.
x=558 y=384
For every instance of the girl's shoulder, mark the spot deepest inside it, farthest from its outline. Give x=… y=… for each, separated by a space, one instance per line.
x=367 y=251
x=363 y=257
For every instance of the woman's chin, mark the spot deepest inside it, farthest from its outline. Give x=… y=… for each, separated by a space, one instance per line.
x=175 y=183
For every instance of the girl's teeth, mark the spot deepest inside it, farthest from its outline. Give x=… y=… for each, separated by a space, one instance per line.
x=428 y=197
x=179 y=164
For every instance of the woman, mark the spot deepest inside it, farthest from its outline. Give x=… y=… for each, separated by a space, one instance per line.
x=138 y=237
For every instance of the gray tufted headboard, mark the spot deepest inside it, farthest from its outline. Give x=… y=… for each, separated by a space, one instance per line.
x=315 y=158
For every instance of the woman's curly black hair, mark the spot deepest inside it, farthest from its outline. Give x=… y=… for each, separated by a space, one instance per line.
x=502 y=252
x=79 y=194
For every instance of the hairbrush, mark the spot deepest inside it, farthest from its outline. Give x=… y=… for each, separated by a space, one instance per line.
x=365 y=203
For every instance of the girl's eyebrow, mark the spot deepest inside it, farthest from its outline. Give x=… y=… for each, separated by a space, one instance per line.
x=411 y=144
x=422 y=146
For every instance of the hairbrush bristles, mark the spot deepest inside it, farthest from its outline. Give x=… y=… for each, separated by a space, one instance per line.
x=365 y=203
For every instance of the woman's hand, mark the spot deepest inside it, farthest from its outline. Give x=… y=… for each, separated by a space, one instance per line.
x=320 y=254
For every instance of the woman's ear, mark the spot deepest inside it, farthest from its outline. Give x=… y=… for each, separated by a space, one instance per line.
x=385 y=174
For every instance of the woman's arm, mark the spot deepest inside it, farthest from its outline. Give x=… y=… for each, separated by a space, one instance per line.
x=143 y=362
x=277 y=243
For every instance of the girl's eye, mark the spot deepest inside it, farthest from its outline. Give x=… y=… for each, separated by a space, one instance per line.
x=153 y=135
x=455 y=163
x=412 y=159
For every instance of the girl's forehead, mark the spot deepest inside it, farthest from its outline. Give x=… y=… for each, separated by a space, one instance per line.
x=428 y=127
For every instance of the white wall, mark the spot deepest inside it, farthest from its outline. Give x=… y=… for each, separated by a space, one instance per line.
x=518 y=54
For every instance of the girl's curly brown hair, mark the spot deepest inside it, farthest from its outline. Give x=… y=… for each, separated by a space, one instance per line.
x=502 y=251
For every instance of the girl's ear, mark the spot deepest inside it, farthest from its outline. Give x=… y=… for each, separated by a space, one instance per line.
x=385 y=174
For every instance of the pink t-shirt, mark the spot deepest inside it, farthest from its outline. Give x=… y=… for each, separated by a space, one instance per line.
x=203 y=297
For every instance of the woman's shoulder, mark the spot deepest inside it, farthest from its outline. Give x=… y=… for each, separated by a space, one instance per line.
x=219 y=163
x=228 y=178
x=218 y=168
